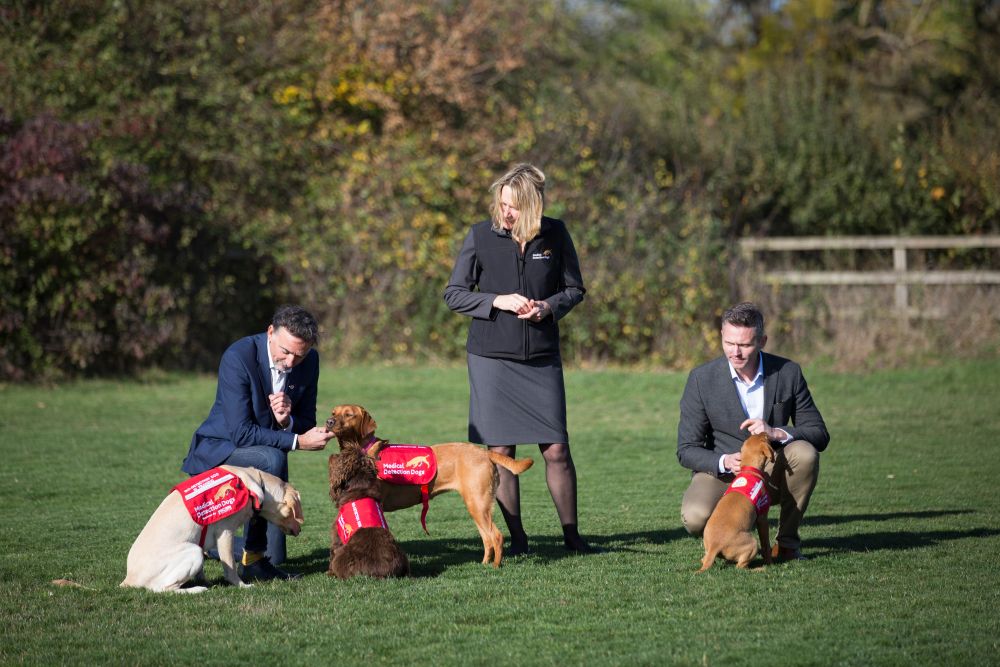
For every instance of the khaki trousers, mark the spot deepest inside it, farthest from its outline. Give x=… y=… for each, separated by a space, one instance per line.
x=794 y=473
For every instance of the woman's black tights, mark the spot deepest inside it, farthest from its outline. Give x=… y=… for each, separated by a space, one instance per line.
x=560 y=476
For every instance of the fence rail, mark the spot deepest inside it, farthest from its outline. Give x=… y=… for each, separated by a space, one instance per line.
x=901 y=276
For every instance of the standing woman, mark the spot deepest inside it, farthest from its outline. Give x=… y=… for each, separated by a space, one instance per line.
x=528 y=277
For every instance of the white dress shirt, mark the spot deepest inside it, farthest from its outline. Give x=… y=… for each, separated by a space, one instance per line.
x=751 y=398
x=278 y=379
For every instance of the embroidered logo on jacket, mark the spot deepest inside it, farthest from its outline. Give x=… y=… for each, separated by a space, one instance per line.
x=545 y=254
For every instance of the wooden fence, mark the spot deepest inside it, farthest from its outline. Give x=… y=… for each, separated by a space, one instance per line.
x=901 y=277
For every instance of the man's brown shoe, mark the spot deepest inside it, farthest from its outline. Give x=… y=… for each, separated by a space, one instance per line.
x=782 y=554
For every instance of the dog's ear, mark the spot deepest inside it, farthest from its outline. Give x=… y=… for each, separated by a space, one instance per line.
x=335 y=472
x=368 y=425
x=339 y=480
x=253 y=479
x=376 y=449
x=293 y=498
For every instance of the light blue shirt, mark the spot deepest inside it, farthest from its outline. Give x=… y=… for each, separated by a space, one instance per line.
x=752 y=398
x=751 y=395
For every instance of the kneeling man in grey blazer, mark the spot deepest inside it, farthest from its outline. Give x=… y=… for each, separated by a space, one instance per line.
x=742 y=393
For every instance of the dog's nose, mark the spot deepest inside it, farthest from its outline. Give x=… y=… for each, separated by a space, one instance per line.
x=330 y=423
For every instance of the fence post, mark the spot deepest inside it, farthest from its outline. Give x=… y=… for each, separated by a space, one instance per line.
x=902 y=291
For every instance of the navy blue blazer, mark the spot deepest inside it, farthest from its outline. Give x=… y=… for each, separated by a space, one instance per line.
x=241 y=415
x=711 y=411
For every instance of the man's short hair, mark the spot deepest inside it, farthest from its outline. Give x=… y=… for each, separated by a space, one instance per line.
x=297 y=321
x=745 y=315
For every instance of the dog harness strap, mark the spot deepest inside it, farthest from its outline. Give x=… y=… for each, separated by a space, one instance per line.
x=371 y=442
x=750 y=483
x=425 y=497
x=361 y=513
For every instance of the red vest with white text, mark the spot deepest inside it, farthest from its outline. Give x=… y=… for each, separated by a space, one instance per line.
x=214 y=495
x=408 y=464
x=361 y=513
x=751 y=484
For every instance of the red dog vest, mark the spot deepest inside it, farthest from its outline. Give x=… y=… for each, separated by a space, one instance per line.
x=363 y=513
x=212 y=496
x=408 y=464
x=750 y=483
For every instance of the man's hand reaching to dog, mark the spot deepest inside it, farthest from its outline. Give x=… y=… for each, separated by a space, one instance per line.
x=734 y=462
x=314 y=439
x=756 y=426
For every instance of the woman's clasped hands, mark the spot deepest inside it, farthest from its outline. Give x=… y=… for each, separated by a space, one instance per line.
x=523 y=307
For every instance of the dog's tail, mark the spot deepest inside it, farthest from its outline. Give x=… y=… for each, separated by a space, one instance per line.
x=516 y=466
x=708 y=560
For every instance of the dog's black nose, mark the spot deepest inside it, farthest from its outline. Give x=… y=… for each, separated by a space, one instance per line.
x=330 y=423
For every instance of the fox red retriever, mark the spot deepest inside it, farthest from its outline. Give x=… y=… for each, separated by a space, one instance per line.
x=461 y=466
x=727 y=532
x=370 y=548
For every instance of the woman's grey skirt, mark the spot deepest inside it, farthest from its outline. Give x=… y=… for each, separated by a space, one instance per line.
x=516 y=402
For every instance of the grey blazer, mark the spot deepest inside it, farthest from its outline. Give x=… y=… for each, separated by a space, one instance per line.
x=711 y=412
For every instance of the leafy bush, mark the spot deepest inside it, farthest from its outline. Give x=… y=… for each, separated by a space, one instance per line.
x=102 y=272
x=172 y=169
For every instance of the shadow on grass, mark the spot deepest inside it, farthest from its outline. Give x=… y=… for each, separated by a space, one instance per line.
x=889 y=540
x=428 y=558
x=829 y=519
x=431 y=557
x=898 y=541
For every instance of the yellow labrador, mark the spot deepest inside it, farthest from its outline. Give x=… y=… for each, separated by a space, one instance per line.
x=166 y=555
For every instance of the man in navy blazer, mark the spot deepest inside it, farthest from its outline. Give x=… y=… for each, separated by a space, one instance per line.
x=265 y=407
x=742 y=393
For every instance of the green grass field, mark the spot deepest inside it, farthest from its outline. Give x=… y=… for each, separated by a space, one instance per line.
x=903 y=534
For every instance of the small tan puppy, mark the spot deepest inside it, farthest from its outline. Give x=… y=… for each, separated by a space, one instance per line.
x=745 y=503
x=461 y=467
x=166 y=554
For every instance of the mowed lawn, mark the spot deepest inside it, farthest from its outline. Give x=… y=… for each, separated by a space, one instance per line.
x=903 y=536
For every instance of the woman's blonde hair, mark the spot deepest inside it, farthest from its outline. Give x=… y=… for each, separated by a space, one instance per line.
x=527 y=188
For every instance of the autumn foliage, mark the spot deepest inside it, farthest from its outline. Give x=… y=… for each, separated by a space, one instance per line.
x=169 y=171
